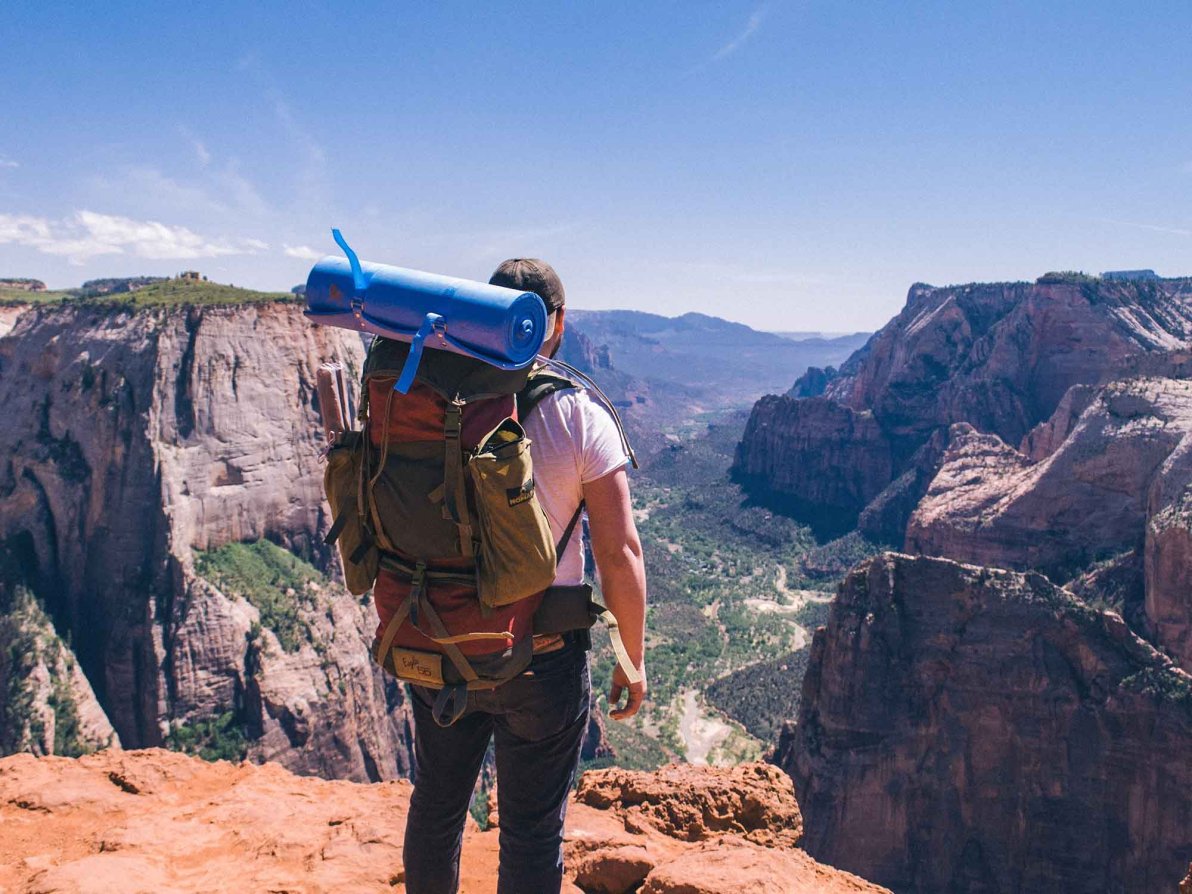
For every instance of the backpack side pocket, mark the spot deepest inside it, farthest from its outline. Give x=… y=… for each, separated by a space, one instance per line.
x=516 y=558
x=343 y=483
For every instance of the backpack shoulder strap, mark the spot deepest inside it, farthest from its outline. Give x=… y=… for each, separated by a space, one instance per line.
x=540 y=386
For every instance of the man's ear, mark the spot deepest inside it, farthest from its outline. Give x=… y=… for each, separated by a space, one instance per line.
x=559 y=315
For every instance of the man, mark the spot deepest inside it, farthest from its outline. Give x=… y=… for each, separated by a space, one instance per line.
x=537 y=720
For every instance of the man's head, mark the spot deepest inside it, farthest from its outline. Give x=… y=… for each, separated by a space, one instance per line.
x=539 y=277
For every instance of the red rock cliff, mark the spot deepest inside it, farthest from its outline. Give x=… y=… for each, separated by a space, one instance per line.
x=997 y=356
x=988 y=732
x=156 y=821
x=132 y=439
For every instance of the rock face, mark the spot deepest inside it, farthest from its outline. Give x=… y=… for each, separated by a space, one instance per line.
x=844 y=459
x=993 y=505
x=133 y=440
x=1000 y=357
x=754 y=801
x=989 y=732
x=1113 y=480
x=1168 y=554
x=8 y=317
x=154 y=820
x=47 y=706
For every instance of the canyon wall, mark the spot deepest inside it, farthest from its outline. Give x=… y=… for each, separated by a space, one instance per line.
x=996 y=731
x=970 y=729
x=1111 y=486
x=1000 y=357
x=133 y=443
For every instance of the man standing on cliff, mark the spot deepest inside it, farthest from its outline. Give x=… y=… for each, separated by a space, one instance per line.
x=538 y=719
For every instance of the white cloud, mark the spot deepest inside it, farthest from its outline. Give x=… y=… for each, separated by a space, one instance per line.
x=305 y=252
x=1154 y=228
x=23 y=228
x=8 y=163
x=88 y=234
x=755 y=21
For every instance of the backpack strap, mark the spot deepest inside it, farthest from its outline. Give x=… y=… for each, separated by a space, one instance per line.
x=566 y=370
x=454 y=495
x=540 y=386
x=569 y=530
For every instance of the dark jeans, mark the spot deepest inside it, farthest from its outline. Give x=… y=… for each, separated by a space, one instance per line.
x=538 y=721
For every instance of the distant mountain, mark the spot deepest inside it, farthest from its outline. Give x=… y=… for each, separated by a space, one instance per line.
x=725 y=363
x=801 y=335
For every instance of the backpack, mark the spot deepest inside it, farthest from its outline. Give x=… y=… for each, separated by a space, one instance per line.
x=435 y=508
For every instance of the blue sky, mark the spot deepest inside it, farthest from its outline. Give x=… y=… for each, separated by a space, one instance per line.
x=793 y=165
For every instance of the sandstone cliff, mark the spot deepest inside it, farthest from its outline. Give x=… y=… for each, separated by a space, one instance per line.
x=135 y=442
x=8 y=317
x=1000 y=357
x=153 y=821
x=989 y=732
x=47 y=705
x=1112 y=481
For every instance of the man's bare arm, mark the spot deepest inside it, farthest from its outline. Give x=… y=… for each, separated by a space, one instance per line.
x=618 y=553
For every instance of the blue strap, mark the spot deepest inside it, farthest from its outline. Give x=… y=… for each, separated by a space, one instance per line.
x=359 y=280
x=429 y=325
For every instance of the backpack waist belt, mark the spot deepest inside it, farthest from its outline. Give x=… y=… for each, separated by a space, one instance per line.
x=573 y=608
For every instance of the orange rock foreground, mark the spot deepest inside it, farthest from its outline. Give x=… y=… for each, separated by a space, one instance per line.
x=153 y=820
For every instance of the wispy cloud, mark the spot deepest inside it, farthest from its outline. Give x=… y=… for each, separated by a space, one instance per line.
x=220 y=193
x=305 y=252
x=755 y=22
x=88 y=234
x=1154 y=228
x=8 y=163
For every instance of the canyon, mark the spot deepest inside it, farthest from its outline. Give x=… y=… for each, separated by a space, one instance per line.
x=136 y=441
x=1005 y=694
x=1002 y=704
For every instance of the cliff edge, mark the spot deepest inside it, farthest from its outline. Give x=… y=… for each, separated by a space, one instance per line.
x=152 y=820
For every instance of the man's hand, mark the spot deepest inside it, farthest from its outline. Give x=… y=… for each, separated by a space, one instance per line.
x=618 y=553
x=636 y=694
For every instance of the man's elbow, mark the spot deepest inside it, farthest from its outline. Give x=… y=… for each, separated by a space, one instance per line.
x=624 y=552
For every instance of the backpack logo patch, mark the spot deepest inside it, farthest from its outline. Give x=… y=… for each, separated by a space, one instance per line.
x=519 y=495
x=421 y=667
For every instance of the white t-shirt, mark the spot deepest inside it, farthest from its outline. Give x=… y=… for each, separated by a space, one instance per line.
x=573 y=441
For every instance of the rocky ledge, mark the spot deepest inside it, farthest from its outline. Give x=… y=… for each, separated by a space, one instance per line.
x=152 y=820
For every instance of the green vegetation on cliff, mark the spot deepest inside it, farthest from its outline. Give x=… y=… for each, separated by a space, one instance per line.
x=35 y=684
x=15 y=297
x=159 y=294
x=275 y=581
x=219 y=738
x=177 y=291
x=734 y=591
